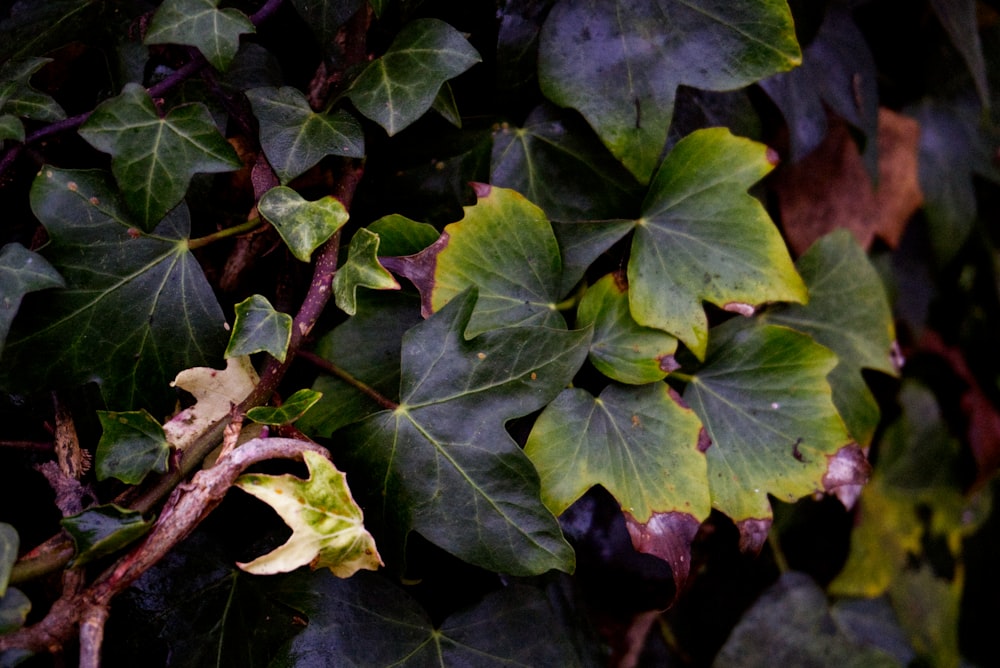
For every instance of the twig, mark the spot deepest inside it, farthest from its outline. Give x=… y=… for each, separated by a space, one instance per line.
x=345 y=376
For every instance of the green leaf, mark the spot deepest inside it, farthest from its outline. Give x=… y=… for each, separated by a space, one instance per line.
x=642 y=446
x=326 y=18
x=849 y=313
x=837 y=74
x=11 y=127
x=293 y=408
x=443 y=465
x=9 y=543
x=619 y=62
x=304 y=225
x=132 y=445
x=103 y=530
x=327 y=525
x=21 y=271
x=14 y=609
x=445 y=105
x=19 y=98
x=791 y=624
x=368 y=621
x=593 y=185
x=259 y=328
x=295 y=138
x=583 y=242
x=960 y=21
x=398 y=88
x=367 y=348
x=702 y=237
x=505 y=247
x=361 y=269
x=136 y=308
x=46 y=26
x=622 y=349
x=763 y=398
x=199 y=23
x=398 y=235
x=154 y=158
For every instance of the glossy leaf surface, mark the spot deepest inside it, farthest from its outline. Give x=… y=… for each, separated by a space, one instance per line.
x=619 y=62
x=9 y=543
x=259 y=328
x=21 y=271
x=441 y=463
x=153 y=158
x=103 y=530
x=288 y=412
x=132 y=445
x=398 y=88
x=295 y=138
x=362 y=269
x=19 y=98
x=201 y=24
x=327 y=525
x=146 y=290
x=303 y=225
x=702 y=237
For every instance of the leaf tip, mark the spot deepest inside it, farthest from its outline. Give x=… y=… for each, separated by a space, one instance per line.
x=753 y=533
x=482 y=190
x=847 y=471
x=669 y=537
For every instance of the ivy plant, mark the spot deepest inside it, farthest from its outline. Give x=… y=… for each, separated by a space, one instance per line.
x=430 y=283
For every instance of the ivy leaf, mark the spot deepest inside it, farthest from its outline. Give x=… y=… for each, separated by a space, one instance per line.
x=443 y=465
x=199 y=23
x=361 y=269
x=327 y=525
x=295 y=138
x=303 y=225
x=102 y=530
x=132 y=444
x=215 y=392
x=962 y=25
x=326 y=18
x=17 y=96
x=506 y=248
x=259 y=328
x=136 y=308
x=619 y=63
x=398 y=88
x=642 y=446
x=702 y=237
x=288 y=412
x=622 y=349
x=582 y=242
x=525 y=159
x=399 y=235
x=21 y=271
x=368 y=621
x=763 y=398
x=154 y=158
x=848 y=312
x=9 y=543
x=367 y=347
x=11 y=127
x=14 y=609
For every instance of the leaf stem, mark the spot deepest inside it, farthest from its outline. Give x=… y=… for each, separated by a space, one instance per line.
x=346 y=376
x=253 y=223
x=683 y=377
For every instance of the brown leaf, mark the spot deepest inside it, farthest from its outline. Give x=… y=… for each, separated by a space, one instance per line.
x=847 y=471
x=830 y=188
x=667 y=536
x=753 y=534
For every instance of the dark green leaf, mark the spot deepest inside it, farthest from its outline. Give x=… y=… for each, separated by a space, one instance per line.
x=18 y=98
x=401 y=86
x=764 y=400
x=622 y=349
x=442 y=463
x=14 y=609
x=259 y=328
x=136 y=308
x=960 y=21
x=398 y=235
x=702 y=237
x=838 y=71
x=619 y=62
x=362 y=269
x=506 y=248
x=103 y=530
x=367 y=347
x=304 y=225
x=366 y=621
x=21 y=271
x=445 y=105
x=132 y=445
x=295 y=138
x=791 y=625
x=582 y=242
x=288 y=412
x=557 y=163
x=199 y=23
x=9 y=543
x=41 y=27
x=11 y=127
x=325 y=18
x=848 y=312
x=154 y=158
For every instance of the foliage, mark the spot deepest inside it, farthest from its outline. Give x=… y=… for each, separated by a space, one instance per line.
x=507 y=279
